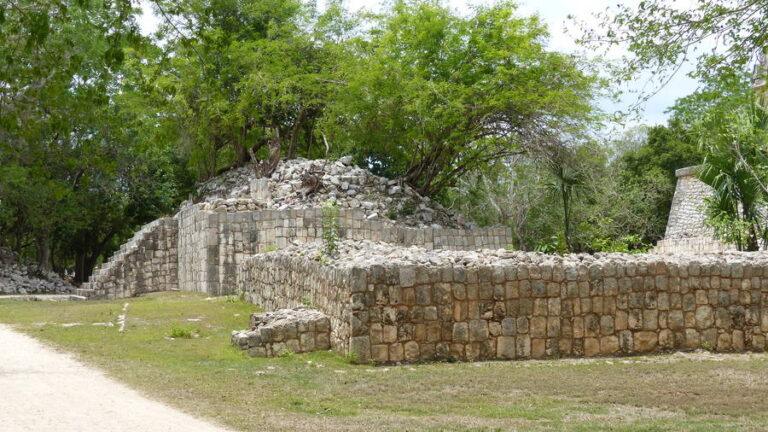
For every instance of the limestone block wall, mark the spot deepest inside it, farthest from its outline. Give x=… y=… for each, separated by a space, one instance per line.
x=274 y=333
x=146 y=263
x=686 y=231
x=274 y=281
x=213 y=244
x=615 y=304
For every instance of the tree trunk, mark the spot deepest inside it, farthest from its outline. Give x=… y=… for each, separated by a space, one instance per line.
x=80 y=275
x=44 y=252
x=752 y=243
x=566 y=217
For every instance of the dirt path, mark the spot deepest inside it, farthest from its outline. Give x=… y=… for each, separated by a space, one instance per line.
x=43 y=390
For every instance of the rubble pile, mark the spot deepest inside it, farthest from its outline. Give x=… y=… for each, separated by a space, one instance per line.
x=302 y=184
x=17 y=277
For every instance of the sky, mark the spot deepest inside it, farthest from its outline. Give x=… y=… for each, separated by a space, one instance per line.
x=555 y=14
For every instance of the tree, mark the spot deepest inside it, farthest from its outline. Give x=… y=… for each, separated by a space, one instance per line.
x=568 y=181
x=57 y=60
x=244 y=79
x=662 y=36
x=429 y=96
x=735 y=143
x=78 y=169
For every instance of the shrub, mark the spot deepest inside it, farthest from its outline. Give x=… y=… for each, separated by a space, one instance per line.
x=330 y=227
x=181 y=333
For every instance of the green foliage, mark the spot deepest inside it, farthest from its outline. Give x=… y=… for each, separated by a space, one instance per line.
x=352 y=357
x=181 y=333
x=330 y=228
x=76 y=177
x=239 y=78
x=401 y=208
x=627 y=244
x=735 y=142
x=430 y=96
x=661 y=35
x=270 y=248
x=557 y=244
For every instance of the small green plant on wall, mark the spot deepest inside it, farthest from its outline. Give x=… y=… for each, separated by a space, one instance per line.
x=330 y=228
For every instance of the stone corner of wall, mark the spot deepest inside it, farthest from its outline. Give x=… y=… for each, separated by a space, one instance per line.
x=687 y=171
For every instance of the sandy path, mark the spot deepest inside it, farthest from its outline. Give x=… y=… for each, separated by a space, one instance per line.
x=43 y=390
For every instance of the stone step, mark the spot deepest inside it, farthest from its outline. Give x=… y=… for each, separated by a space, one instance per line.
x=84 y=292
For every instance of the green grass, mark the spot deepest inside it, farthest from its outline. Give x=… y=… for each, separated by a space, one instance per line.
x=207 y=377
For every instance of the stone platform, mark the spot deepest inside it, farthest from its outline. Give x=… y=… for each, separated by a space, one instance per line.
x=388 y=304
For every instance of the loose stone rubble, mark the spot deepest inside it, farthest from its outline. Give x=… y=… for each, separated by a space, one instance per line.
x=17 y=277
x=286 y=330
x=304 y=184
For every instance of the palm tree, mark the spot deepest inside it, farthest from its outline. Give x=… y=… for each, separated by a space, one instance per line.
x=735 y=151
x=568 y=182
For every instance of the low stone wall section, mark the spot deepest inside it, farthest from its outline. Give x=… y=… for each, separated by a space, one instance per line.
x=276 y=281
x=286 y=330
x=146 y=263
x=691 y=245
x=510 y=305
x=212 y=244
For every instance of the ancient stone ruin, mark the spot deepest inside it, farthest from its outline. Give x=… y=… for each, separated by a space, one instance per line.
x=686 y=231
x=410 y=281
x=286 y=330
x=18 y=277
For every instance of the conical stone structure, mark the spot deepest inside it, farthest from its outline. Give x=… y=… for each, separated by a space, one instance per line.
x=686 y=231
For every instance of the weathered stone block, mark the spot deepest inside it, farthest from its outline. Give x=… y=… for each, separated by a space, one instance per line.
x=591 y=347
x=645 y=341
x=705 y=317
x=538 y=348
x=505 y=347
x=609 y=345
x=380 y=353
x=411 y=351
x=538 y=327
x=460 y=332
x=478 y=330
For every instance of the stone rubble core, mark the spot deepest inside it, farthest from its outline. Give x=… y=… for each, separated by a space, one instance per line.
x=349 y=186
x=390 y=304
x=20 y=278
x=295 y=330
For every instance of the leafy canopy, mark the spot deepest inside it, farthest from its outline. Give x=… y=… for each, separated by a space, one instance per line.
x=429 y=95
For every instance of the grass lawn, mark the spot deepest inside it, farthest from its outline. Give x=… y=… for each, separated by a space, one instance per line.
x=205 y=376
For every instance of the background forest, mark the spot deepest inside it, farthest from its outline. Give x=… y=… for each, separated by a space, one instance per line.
x=103 y=129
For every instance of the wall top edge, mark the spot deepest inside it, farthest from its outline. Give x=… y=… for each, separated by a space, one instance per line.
x=687 y=171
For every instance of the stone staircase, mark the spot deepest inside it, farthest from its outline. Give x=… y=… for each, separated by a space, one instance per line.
x=145 y=263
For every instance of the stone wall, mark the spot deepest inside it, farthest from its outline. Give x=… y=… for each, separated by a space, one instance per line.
x=273 y=333
x=202 y=249
x=525 y=305
x=146 y=263
x=275 y=281
x=213 y=243
x=686 y=231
